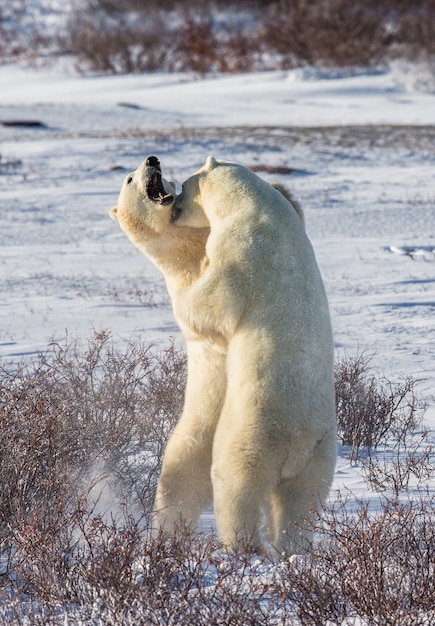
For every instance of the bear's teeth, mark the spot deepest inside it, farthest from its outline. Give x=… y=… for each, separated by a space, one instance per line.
x=165 y=198
x=154 y=187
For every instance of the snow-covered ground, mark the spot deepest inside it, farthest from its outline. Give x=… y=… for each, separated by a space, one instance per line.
x=360 y=151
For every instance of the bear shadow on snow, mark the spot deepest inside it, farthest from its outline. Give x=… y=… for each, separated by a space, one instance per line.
x=257 y=436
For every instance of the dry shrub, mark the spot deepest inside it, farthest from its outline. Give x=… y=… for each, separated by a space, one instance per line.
x=370 y=409
x=372 y=566
x=376 y=567
x=83 y=431
x=382 y=424
x=205 y=43
x=196 y=46
x=414 y=30
x=405 y=464
x=327 y=32
x=76 y=420
x=115 y=573
x=114 y=38
x=24 y=32
x=139 y=36
x=103 y=38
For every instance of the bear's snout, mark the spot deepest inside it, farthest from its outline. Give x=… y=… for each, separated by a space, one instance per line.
x=152 y=161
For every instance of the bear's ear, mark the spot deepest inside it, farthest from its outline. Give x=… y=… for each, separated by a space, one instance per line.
x=113 y=213
x=210 y=163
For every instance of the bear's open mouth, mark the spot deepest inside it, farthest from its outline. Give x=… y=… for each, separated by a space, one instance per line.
x=155 y=190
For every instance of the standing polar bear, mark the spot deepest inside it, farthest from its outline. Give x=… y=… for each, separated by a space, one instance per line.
x=258 y=430
x=145 y=213
x=260 y=300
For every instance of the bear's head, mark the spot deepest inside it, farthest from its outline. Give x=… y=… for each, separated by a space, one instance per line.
x=218 y=189
x=145 y=213
x=221 y=187
x=188 y=207
x=145 y=201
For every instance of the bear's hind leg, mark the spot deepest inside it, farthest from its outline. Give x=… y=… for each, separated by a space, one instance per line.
x=291 y=513
x=237 y=510
x=241 y=482
x=297 y=501
x=184 y=489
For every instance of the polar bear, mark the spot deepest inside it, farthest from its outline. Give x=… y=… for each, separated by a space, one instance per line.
x=259 y=304
x=144 y=212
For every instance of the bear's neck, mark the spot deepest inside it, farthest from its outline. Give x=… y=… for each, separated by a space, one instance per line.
x=181 y=256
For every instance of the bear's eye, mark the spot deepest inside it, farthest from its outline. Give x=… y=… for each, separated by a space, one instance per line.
x=129 y=179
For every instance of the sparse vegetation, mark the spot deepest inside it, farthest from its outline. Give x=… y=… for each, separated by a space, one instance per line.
x=139 y=36
x=372 y=567
x=382 y=425
x=72 y=418
x=371 y=410
x=9 y=166
x=83 y=430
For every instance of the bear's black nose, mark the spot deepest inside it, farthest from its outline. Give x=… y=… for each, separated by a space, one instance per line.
x=153 y=161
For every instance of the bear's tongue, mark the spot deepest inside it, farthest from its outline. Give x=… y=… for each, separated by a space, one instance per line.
x=155 y=189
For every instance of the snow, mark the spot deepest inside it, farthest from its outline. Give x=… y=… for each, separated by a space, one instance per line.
x=363 y=159
x=297 y=97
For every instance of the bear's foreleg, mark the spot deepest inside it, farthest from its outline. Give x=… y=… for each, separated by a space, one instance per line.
x=212 y=306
